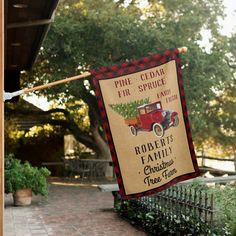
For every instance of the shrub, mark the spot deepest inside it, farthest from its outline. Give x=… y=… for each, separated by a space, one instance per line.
x=20 y=175
x=155 y=220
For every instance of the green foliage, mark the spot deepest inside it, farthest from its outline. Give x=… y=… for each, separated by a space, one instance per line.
x=159 y=221
x=129 y=109
x=225 y=202
x=224 y=206
x=17 y=134
x=22 y=175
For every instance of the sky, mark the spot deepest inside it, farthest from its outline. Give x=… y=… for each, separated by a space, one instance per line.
x=229 y=24
x=228 y=27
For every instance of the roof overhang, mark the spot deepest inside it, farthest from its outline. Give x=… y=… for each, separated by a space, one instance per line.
x=27 y=23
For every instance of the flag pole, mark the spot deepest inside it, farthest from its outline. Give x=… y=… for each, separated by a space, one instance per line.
x=77 y=77
x=8 y=96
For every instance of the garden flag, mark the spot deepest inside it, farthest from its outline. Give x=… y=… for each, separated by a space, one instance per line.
x=144 y=114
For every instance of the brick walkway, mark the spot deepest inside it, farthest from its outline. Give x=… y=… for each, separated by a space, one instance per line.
x=68 y=210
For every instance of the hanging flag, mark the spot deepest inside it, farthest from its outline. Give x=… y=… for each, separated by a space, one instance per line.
x=144 y=114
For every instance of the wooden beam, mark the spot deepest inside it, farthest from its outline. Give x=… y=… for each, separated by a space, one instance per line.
x=215 y=158
x=29 y=23
x=201 y=180
x=1 y=117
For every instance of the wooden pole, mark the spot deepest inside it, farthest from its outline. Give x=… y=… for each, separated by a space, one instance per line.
x=78 y=77
x=82 y=76
x=1 y=118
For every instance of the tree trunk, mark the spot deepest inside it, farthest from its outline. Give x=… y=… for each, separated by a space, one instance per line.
x=103 y=151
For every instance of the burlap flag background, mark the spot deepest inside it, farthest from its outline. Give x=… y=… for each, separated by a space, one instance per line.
x=144 y=114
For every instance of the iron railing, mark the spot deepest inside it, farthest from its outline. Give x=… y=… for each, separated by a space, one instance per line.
x=179 y=204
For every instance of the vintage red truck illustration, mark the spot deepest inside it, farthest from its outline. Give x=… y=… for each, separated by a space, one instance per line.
x=151 y=117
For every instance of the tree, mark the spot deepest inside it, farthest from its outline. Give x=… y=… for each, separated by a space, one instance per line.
x=89 y=34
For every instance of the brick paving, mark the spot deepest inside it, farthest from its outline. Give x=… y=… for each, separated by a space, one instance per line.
x=69 y=210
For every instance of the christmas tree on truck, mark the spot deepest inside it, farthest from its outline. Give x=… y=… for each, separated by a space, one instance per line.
x=141 y=115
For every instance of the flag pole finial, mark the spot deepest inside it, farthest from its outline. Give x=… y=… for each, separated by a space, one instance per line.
x=183 y=49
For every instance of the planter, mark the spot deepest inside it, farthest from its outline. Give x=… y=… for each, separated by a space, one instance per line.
x=22 y=197
x=23 y=179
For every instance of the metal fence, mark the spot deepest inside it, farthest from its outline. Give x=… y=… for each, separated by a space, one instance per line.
x=179 y=200
x=178 y=204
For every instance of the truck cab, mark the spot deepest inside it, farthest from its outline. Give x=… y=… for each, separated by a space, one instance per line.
x=149 y=113
x=152 y=117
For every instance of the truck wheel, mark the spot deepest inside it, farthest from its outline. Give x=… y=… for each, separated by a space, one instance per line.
x=133 y=130
x=158 y=130
x=176 y=121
